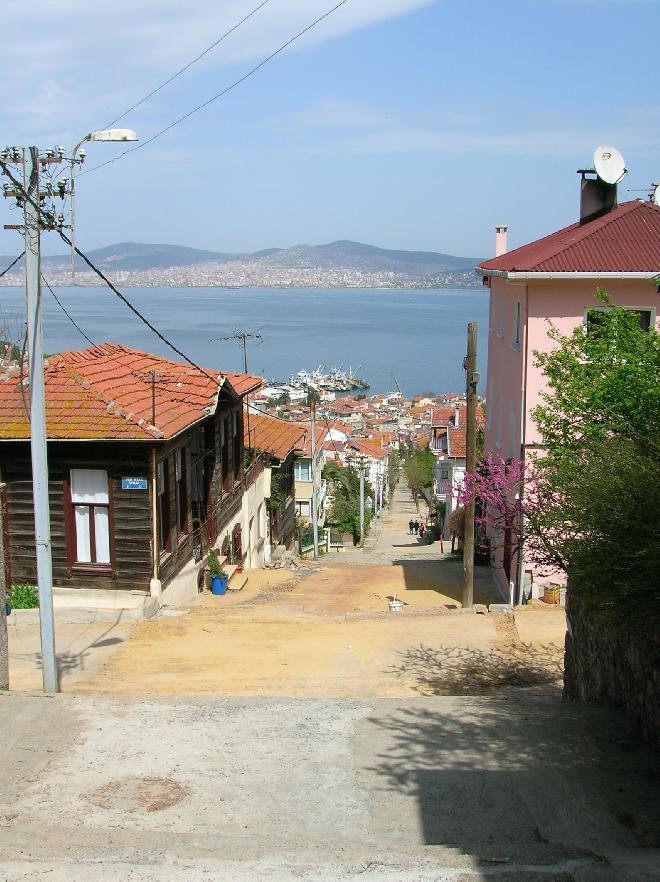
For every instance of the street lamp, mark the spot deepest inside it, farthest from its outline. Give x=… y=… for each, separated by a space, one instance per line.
x=110 y=136
x=30 y=198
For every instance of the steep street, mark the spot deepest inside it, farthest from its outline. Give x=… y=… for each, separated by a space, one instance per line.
x=298 y=730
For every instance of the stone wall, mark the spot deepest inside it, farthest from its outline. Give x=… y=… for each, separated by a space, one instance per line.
x=614 y=663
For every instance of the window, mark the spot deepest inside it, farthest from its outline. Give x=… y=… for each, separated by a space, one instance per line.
x=304 y=508
x=302 y=470
x=164 y=524
x=90 y=499
x=224 y=455
x=594 y=318
x=516 y=324
x=181 y=479
x=444 y=474
x=237 y=446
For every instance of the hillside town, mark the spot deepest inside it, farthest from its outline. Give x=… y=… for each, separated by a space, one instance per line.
x=263 y=274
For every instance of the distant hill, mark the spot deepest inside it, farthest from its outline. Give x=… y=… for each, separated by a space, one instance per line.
x=344 y=254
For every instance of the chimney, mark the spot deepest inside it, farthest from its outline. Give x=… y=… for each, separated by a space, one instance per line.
x=457 y=416
x=501 y=236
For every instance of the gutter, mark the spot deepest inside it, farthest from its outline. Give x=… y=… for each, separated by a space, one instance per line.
x=531 y=276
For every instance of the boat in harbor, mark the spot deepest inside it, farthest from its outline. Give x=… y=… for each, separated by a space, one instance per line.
x=336 y=380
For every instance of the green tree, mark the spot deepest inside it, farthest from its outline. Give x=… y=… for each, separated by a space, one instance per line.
x=600 y=425
x=345 y=511
x=419 y=469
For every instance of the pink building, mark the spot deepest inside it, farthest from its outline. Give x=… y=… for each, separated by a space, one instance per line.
x=555 y=278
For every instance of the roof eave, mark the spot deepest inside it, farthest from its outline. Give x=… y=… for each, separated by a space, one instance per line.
x=529 y=275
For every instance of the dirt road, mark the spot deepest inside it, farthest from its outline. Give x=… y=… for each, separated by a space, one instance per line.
x=325 y=631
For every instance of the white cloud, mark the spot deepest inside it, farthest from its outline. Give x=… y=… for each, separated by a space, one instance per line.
x=70 y=65
x=361 y=129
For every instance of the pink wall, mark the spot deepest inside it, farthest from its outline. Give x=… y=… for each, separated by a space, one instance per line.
x=505 y=368
x=565 y=302
x=514 y=383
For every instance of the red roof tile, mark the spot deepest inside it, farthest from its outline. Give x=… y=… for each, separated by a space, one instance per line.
x=105 y=392
x=277 y=437
x=626 y=239
x=457 y=445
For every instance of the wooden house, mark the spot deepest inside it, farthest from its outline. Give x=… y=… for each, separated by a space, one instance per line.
x=145 y=459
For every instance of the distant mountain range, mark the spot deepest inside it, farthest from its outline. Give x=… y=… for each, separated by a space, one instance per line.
x=344 y=254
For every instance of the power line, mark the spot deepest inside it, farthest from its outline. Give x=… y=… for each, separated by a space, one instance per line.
x=134 y=309
x=189 y=65
x=49 y=221
x=229 y=88
x=66 y=313
x=13 y=263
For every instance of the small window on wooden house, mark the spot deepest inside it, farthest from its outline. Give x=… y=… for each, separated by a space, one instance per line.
x=180 y=476
x=164 y=522
x=237 y=445
x=90 y=501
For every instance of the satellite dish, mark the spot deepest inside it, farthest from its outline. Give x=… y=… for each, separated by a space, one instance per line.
x=609 y=164
x=656 y=194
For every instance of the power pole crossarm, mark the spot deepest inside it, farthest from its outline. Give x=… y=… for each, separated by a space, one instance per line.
x=472 y=380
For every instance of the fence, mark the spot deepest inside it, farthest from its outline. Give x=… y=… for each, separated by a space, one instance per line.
x=327 y=539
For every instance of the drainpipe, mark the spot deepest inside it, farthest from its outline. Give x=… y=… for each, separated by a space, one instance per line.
x=520 y=576
x=155 y=588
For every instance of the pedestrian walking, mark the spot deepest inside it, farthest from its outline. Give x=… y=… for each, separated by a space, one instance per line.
x=416 y=527
x=411 y=524
x=421 y=530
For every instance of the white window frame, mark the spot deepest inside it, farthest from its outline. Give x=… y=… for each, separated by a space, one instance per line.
x=91 y=519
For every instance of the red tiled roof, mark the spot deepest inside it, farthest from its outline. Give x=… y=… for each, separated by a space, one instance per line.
x=456 y=446
x=369 y=448
x=626 y=239
x=305 y=448
x=278 y=437
x=105 y=392
x=442 y=416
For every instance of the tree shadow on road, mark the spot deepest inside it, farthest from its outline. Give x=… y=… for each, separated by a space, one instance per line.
x=466 y=670
x=517 y=778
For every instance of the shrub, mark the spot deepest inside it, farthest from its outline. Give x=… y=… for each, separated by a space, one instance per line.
x=24 y=596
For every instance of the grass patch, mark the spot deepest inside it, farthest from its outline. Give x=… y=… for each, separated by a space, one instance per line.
x=24 y=596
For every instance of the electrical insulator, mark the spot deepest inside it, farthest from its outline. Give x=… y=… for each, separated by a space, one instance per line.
x=60 y=219
x=61 y=186
x=60 y=152
x=50 y=152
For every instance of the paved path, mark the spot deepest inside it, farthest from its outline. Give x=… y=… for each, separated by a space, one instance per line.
x=423 y=790
x=392 y=545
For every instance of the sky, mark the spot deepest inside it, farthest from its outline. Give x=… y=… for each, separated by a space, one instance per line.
x=415 y=124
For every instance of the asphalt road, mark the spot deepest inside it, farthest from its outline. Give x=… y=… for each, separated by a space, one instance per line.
x=516 y=786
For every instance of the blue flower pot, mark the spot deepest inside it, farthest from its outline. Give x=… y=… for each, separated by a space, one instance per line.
x=218 y=584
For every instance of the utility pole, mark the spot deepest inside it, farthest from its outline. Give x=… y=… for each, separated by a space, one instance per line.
x=315 y=511
x=242 y=336
x=472 y=381
x=37 y=215
x=38 y=443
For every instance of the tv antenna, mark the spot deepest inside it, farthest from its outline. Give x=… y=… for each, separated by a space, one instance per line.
x=609 y=164
x=243 y=336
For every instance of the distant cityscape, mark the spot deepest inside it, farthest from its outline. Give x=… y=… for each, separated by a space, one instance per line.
x=341 y=264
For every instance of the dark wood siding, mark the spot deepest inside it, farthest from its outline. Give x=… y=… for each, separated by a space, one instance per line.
x=131 y=512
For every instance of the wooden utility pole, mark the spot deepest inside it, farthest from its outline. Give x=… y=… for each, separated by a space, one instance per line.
x=4 y=647
x=472 y=380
